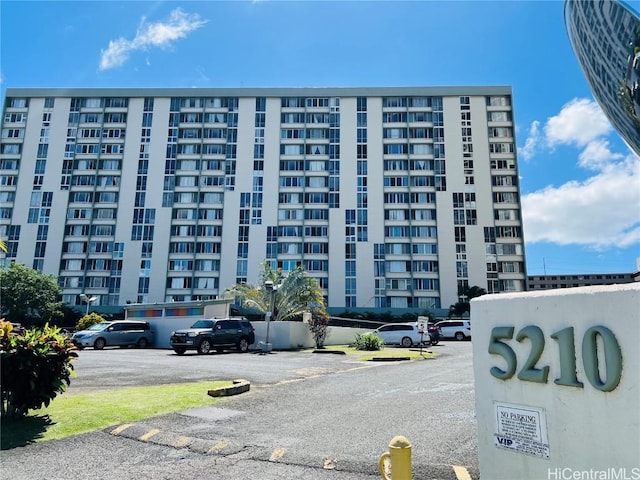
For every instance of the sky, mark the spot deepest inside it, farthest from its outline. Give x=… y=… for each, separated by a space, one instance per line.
x=580 y=183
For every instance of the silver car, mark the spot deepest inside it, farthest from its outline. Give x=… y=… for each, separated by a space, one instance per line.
x=120 y=333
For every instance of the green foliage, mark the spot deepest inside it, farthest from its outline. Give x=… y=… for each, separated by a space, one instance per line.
x=35 y=367
x=294 y=293
x=319 y=326
x=471 y=292
x=368 y=341
x=466 y=292
x=28 y=296
x=88 y=320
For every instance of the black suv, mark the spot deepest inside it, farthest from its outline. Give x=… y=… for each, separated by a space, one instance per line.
x=218 y=334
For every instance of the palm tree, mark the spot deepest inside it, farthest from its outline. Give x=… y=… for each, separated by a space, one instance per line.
x=293 y=293
x=466 y=293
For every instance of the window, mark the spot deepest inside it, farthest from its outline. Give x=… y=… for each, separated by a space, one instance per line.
x=396 y=214
x=395 y=149
x=498 y=101
x=11 y=148
x=499 y=116
x=499 y=132
x=505 y=197
x=13 y=133
x=15 y=118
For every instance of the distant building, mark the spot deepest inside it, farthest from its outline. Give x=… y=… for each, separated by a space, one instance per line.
x=546 y=282
x=391 y=197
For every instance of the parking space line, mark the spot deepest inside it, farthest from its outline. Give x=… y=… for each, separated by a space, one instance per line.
x=461 y=473
x=182 y=441
x=329 y=463
x=277 y=454
x=219 y=445
x=121 y=428
x=149 y=434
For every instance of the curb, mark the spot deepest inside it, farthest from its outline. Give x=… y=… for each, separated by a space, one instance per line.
x=335 y=352
x=389 y=359
x=239 y=386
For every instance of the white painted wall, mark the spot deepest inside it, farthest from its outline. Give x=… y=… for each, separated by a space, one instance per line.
x=589 y=430
x=282 y=335
x=291 y=335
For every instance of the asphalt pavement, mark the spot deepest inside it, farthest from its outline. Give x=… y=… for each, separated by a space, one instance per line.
x=321 y=418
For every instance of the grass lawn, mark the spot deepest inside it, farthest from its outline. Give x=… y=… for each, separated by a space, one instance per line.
x=71 y=414
x=387 y=352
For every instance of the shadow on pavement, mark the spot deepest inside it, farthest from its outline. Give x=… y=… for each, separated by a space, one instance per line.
x=23 y=431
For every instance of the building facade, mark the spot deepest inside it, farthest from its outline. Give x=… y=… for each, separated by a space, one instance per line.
x=605 y=36
x=546 y=282
x=391 y=197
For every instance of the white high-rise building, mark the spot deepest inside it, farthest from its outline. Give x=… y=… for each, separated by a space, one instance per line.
x=391 y=197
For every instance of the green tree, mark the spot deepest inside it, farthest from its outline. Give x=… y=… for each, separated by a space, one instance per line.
x=466 y=292
x=28 y=296
x=293 y=293
x=87 y=320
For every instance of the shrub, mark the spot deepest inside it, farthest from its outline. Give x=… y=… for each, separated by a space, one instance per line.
x=368 y=341
x=35 y=367
x=319 y=326
x=88 y=320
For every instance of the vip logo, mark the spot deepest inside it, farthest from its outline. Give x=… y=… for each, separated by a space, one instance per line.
x=504 y=441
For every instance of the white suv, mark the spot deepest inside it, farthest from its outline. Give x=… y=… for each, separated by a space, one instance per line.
x=458 y=329
x=405 y=334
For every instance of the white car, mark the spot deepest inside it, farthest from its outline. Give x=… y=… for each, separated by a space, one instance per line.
x=458 y=329
x=405 y=334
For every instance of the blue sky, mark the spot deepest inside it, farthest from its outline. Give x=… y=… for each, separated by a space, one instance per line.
x=580 y=183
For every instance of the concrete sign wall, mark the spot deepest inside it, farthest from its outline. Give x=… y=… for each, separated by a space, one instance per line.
x=557 y=377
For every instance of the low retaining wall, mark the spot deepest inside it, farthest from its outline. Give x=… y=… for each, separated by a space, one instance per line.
x=282 y=335
x=293 y=335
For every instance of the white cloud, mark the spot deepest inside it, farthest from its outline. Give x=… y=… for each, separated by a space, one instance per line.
x=579 y=122
x=159 y=34
x=600 y=212
x=531 y=144
x=597 y=156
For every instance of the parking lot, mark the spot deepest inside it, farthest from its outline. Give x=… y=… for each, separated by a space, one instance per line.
x=321 y=416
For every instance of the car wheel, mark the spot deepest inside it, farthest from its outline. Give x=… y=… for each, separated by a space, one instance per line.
x=180 y=351
x=204 y=347
x=406 y=342
x=99 y=344
x=143 y=343
x=460 y=336
x=243 y=345
x=434 y=342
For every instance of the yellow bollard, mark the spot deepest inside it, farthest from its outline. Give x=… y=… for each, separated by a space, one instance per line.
x=399 y=455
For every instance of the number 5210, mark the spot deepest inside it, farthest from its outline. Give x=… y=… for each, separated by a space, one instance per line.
x=565 y=339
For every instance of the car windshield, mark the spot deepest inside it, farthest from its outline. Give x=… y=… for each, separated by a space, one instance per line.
x=99 y=326
x=203 y=324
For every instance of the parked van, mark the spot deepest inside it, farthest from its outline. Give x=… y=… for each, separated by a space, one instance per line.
x=458 y=329
x=120 y=333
